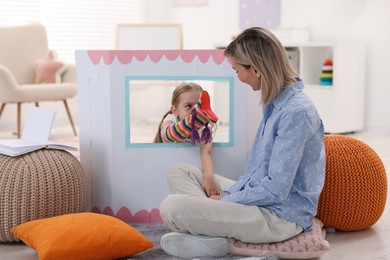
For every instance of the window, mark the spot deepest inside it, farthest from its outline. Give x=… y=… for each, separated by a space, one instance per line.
x=74 y=24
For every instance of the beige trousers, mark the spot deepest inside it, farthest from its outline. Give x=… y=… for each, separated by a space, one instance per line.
x=188 y=209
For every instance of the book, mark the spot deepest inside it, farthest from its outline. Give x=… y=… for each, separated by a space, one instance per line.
x=35 y=134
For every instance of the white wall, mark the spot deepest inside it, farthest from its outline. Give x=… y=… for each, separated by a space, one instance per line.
x=364 y=20
x=204 y=26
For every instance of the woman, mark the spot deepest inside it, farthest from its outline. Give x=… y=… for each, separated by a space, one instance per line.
x=277 y=196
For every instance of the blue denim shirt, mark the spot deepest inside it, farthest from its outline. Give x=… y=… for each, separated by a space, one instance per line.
x=285 y=171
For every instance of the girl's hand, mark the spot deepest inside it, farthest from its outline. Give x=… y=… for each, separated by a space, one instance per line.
x=210 y=186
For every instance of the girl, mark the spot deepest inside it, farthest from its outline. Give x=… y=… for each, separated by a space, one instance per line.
x=277 y=196
x=187 y=98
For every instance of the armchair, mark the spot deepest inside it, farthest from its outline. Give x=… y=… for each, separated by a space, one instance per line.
x=20 y=48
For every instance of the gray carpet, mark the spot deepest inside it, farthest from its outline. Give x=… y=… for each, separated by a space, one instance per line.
x=154 y=232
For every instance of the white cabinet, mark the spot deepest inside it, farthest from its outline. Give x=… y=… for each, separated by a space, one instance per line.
x=340 y=105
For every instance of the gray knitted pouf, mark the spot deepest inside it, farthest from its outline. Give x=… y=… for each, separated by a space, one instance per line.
x=40 y=184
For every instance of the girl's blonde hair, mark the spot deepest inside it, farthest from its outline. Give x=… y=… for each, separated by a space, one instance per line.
x=180 y=89
x=258 y=47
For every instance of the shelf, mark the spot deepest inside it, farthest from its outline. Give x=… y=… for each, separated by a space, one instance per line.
x=348 y=61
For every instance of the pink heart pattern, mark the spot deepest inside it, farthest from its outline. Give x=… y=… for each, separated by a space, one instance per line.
x=124 y=214
x=125 y=57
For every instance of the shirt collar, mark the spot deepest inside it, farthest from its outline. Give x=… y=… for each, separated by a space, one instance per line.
x=287 y=93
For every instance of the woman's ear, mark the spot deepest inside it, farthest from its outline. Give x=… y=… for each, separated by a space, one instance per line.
x=255 y=71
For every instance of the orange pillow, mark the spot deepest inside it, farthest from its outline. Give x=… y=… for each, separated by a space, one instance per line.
x=81 y=236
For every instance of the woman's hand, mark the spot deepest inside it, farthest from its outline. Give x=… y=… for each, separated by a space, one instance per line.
x=210 y=186
x=216 y=197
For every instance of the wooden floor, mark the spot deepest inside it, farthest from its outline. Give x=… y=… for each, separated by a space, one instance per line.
x=370 y=244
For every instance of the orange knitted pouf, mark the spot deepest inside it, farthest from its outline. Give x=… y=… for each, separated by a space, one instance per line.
x=355 y=190
x=40 y=184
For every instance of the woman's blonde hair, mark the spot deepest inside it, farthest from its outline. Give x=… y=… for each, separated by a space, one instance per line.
x=258 y=47
x=180 y=89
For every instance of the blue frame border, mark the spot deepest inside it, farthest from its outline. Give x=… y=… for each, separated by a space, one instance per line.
x=129 y=145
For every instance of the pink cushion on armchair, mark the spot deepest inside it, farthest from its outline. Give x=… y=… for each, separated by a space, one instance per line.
x=48 y=69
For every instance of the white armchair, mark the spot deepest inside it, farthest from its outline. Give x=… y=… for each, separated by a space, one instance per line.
x=20 y=48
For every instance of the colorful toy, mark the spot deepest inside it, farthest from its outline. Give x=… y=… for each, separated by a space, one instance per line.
x=326 y=77
x=188 y=128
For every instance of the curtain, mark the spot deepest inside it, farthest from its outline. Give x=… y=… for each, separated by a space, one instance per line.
x=74 y=24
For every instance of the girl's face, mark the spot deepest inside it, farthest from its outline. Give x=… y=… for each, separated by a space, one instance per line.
x=250 y=76
x=187 y=101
